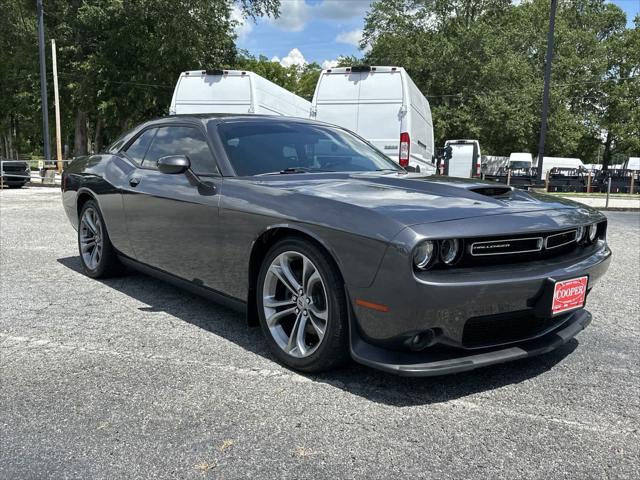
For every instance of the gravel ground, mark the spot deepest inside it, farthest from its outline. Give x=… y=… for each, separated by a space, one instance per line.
x=133 y=378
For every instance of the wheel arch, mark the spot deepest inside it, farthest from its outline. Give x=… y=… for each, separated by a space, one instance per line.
x=261 y=247
x=83 y=196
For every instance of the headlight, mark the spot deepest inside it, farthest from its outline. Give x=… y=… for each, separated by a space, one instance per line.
x=449 y=250
x=423 y=254
x=593 y=232
x=580 y=234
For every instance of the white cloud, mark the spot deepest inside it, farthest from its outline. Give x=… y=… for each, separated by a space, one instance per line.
x=329 y=64
x=351 y=38
x=243 y=26
x=294 y=57
x=294 y=14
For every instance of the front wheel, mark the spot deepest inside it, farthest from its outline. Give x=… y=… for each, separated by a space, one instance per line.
x=302 y=307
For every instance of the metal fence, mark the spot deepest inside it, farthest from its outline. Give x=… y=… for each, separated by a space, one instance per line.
x=571 y=180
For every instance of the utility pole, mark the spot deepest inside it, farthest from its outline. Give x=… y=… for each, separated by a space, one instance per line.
x=43 y=82
x=56 y=97
x=547 y=81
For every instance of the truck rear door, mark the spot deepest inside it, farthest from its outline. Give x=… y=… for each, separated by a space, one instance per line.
x=337 y=99
x=379 y=112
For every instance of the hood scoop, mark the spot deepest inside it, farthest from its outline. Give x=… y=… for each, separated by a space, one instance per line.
x=502 y=192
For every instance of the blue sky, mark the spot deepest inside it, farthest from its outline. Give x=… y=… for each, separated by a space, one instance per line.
x=322 y=30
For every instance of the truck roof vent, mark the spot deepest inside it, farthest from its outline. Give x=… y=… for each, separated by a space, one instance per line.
x=495 y=192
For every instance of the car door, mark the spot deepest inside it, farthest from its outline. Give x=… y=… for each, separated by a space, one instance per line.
x=172 y=220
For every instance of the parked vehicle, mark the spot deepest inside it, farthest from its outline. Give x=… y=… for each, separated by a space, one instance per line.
x=560 y=162
x=334 y=249
x=14 y=173
x=520 y=161
x=593 y=167
x=382 y=105
x=465 y=159
x=633 y=163
x=234 y=91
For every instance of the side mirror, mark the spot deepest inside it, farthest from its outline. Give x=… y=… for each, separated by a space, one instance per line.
x=174 y=164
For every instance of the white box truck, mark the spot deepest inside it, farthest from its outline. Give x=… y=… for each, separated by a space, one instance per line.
x=633 y=164
x=382 y=105
x=465 y=158
x=234 y=91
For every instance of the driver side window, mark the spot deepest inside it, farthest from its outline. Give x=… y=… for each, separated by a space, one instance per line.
x=187 y=141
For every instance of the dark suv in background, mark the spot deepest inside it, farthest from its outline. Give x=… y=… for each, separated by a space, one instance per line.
x=15 y=173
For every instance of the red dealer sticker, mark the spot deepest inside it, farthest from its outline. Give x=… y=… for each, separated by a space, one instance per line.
x=569 y=294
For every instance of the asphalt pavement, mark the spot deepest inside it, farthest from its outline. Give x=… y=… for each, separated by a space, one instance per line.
x=132 y=378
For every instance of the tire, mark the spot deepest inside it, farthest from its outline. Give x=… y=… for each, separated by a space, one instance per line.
x=321 y=310
x=99 y=261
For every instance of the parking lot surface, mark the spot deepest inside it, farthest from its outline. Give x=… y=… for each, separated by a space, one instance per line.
x=132 y=378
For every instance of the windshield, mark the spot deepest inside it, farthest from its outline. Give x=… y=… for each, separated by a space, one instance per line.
x=519 y=164
x=261 y=147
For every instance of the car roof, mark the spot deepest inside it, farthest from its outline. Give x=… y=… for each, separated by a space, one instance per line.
x=225 y=117
x=228 y=118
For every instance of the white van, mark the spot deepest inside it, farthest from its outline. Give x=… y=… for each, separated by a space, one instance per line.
x=234 y=91
x=520 y=160
x=560 y=162
x=465 y=158
x=382 y=105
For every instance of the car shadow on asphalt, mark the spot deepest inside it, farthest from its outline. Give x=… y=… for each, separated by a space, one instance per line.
x=356 y=379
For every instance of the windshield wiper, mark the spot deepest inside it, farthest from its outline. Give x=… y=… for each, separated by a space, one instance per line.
x=399 y=172
x=295 y=170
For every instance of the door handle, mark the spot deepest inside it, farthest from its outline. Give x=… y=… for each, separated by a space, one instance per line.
x=134 y=181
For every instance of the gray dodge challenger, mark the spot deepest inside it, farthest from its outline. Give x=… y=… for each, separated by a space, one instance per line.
x=334 y=250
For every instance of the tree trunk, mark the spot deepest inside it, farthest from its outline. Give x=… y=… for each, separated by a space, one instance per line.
x=606 y=156
x=80 y=140
x=97 y=142
x=10 y=147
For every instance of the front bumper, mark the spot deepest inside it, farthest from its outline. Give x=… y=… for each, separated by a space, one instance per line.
x=15 y=179
x=442 y=362
x=450 y=301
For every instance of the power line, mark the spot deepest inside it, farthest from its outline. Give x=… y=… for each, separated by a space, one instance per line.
x=516 y=92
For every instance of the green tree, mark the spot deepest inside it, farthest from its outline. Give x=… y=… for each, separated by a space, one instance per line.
x=118 y=59
x=273 y=71
x=480 y=63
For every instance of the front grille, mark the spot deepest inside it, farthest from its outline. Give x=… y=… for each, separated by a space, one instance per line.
x=506 y=246
x=14 y=169
x=560 y=239
x=506 y=328
x=519 y=248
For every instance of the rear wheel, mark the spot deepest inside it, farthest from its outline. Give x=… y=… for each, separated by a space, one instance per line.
x=97 y=255
x=302 y=306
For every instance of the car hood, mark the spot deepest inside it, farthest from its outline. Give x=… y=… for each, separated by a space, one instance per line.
x=416 y=199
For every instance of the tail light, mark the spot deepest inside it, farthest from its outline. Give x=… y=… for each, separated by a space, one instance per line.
x=404 y=149
x=478 y=170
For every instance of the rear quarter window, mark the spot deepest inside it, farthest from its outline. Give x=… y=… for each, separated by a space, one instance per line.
x=138 y=149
